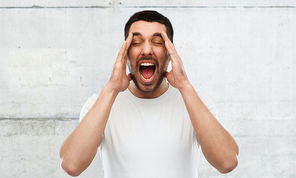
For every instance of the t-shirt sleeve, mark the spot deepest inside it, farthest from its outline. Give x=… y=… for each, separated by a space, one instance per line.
x=87 y=106
x=209 y=103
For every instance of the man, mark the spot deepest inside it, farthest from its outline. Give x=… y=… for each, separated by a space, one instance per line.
x=149 y=123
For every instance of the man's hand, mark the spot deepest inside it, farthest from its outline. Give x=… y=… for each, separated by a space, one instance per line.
x=119 y=81
x=91 y=128
x=177 y=76
x=219 y=148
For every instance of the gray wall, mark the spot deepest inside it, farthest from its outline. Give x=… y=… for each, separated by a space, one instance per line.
x=55 y=54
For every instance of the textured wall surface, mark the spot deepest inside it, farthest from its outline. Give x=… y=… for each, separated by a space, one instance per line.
x=55 y=54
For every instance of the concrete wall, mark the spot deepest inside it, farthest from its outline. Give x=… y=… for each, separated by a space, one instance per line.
x=55 y=54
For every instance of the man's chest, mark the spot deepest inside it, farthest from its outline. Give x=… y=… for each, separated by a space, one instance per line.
x=154 y=132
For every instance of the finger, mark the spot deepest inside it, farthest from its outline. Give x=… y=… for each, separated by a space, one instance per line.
x=124 y=48
x=129 y=40
x=128 y=43
x=165 y=36
x=121 y=52
x=167 y=40
x=168 y=44
x=171 y=49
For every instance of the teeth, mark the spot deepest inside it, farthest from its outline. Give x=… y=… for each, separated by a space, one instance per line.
x=147 y=64
x=145 y=79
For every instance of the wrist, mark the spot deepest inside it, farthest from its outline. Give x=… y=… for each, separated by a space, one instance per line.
x=186 y=87
x=108 y=90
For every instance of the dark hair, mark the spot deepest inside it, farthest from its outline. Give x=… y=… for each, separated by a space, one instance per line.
x=150 y=16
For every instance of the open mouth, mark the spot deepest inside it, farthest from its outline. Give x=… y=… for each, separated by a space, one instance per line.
x=147 y=70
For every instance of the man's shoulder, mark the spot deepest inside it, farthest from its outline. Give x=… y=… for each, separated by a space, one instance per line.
x=203 y=96
x=87 y=105
x=208 y=102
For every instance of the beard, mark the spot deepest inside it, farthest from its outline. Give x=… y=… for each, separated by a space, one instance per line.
x=159 y=74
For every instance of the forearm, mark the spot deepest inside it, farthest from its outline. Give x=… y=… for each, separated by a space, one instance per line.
x=217 y=144
x=79 y=149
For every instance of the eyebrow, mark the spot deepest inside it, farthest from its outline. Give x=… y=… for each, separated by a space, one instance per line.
x=137 y=34
x=155 y=34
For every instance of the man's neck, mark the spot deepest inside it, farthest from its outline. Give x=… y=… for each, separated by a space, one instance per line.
x=163 y=87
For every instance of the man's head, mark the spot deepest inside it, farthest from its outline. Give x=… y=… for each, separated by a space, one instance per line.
x=150 y=16
x=148 y=57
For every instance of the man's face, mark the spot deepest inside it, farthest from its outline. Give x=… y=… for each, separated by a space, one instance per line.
x=147 y=55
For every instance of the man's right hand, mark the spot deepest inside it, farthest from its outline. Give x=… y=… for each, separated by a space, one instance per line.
x=119 y=81
x=87 y=136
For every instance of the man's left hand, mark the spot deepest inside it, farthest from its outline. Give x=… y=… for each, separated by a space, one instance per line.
x=177 y=76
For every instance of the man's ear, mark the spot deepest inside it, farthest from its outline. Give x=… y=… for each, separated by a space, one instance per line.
x=168 y=62
x=169 y=56
x=128 y=64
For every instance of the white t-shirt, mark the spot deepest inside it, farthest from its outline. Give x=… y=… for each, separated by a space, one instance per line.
x=149 y=138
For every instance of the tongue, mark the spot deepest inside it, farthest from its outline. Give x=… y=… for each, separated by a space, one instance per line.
x=147 y=72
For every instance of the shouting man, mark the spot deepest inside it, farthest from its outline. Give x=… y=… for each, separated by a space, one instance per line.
x=151 y=122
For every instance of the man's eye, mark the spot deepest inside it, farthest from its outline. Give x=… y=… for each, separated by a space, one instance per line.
x=159 y=43
x=136 y=43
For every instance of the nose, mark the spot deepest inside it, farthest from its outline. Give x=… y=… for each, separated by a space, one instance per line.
x=147 y=49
